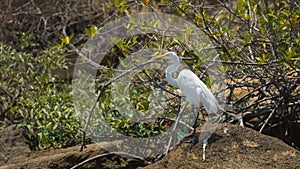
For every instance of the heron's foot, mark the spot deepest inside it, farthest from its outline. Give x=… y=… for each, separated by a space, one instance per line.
x=194 y=141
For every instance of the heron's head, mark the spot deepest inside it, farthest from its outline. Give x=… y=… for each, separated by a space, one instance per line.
x=168 y=55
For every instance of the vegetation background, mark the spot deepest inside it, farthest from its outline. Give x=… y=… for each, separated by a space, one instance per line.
x=258 y=42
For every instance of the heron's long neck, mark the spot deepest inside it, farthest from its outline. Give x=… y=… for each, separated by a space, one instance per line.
x=173 y=67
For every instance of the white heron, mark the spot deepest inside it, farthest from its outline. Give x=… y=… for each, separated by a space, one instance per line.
x=193 y=88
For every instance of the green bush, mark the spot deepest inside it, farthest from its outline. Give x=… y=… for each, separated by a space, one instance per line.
x=35 y=99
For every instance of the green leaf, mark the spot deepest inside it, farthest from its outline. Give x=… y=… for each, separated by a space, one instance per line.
x=188 y=30
x=208 y=81
x=223 y=69
x=67 y=39
x=91 y=31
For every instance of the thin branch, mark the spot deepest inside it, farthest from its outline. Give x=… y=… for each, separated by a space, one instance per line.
x=248 y=94
x=164 y=89
x=269 y=117
x=175 y=127
x=111 y=153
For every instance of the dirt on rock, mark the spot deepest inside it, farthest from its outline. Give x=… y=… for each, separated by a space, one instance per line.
x=12 y=144
x=239 y=148
x=15 y=154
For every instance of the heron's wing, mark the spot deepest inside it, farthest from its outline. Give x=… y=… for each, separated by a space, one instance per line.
x=196 y=91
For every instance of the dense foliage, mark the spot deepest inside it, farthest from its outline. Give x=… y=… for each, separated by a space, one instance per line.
x=35 y=99
x=258 y=42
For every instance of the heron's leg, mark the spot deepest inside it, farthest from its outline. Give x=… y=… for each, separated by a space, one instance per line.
x=194 y=139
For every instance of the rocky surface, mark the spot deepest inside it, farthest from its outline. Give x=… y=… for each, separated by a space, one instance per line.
x=240 y=148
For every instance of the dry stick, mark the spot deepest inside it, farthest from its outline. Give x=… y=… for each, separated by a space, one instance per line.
x=106 y=154
x=270 y=115
x=175 y=126
x=254 y=90
x=90 y=61
x=181 y=122
x=251 y=23
x=14 y=98
x=168 y=118
x=102 y=90
x=163 y=88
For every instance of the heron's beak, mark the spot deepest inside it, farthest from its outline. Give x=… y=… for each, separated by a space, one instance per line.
x=158 y=57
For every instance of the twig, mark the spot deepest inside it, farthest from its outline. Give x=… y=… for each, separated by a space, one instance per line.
x=164 y=89
x=181 y=122
x=167 y=118
x=106 y=154
x=175 y=126
x=269 y=117
x=254 y=90
x=251 y=19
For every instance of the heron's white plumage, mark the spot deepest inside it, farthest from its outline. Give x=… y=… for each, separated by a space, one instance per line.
x=193 y=88
x=196 y=91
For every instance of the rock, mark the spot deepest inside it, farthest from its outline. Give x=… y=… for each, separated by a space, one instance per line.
x=239 y=147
